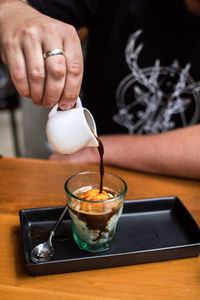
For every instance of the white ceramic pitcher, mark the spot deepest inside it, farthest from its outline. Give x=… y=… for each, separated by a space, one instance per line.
x=70 y=130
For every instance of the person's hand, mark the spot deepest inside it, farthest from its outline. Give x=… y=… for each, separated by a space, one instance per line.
x=85 y=155
x=25 y=35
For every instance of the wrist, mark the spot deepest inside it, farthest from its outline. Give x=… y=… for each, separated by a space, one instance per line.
x=6 y=6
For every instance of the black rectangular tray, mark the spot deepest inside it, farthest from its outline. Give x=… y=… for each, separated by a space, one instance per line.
x=149 y=230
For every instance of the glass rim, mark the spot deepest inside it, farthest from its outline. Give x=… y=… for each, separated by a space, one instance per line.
x=95 y=201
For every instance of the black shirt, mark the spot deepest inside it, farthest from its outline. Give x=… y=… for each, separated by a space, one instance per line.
x=142 y=70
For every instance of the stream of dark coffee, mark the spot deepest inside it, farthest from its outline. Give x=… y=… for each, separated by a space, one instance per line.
x=101 y=165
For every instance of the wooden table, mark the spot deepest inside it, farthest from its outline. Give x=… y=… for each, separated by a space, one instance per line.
x=26 y=183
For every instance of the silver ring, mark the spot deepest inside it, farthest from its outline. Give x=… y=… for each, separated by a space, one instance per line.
x=53 y=52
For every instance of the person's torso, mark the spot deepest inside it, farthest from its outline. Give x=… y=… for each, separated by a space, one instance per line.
x=143 y=67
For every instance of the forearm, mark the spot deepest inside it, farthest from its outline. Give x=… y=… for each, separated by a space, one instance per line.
x=173 y=153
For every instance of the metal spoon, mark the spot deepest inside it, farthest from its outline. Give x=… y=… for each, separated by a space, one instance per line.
x=44 y=252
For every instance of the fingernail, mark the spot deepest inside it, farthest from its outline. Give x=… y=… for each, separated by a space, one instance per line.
x=65 y=106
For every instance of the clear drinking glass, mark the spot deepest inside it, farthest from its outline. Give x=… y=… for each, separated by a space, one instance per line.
x=94 y=222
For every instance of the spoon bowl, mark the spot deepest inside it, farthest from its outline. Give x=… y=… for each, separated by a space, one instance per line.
x=45 y=251
x=42 y=252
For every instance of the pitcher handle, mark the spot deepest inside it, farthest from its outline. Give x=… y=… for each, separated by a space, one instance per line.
x=78 y=103
x=53 y=111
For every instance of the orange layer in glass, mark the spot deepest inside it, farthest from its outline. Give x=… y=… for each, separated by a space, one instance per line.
x=95 y=195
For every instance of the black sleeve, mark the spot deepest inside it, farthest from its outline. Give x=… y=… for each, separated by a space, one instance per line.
x=75 y=12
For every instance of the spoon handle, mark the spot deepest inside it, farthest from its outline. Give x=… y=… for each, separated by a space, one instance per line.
x=59 y=220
